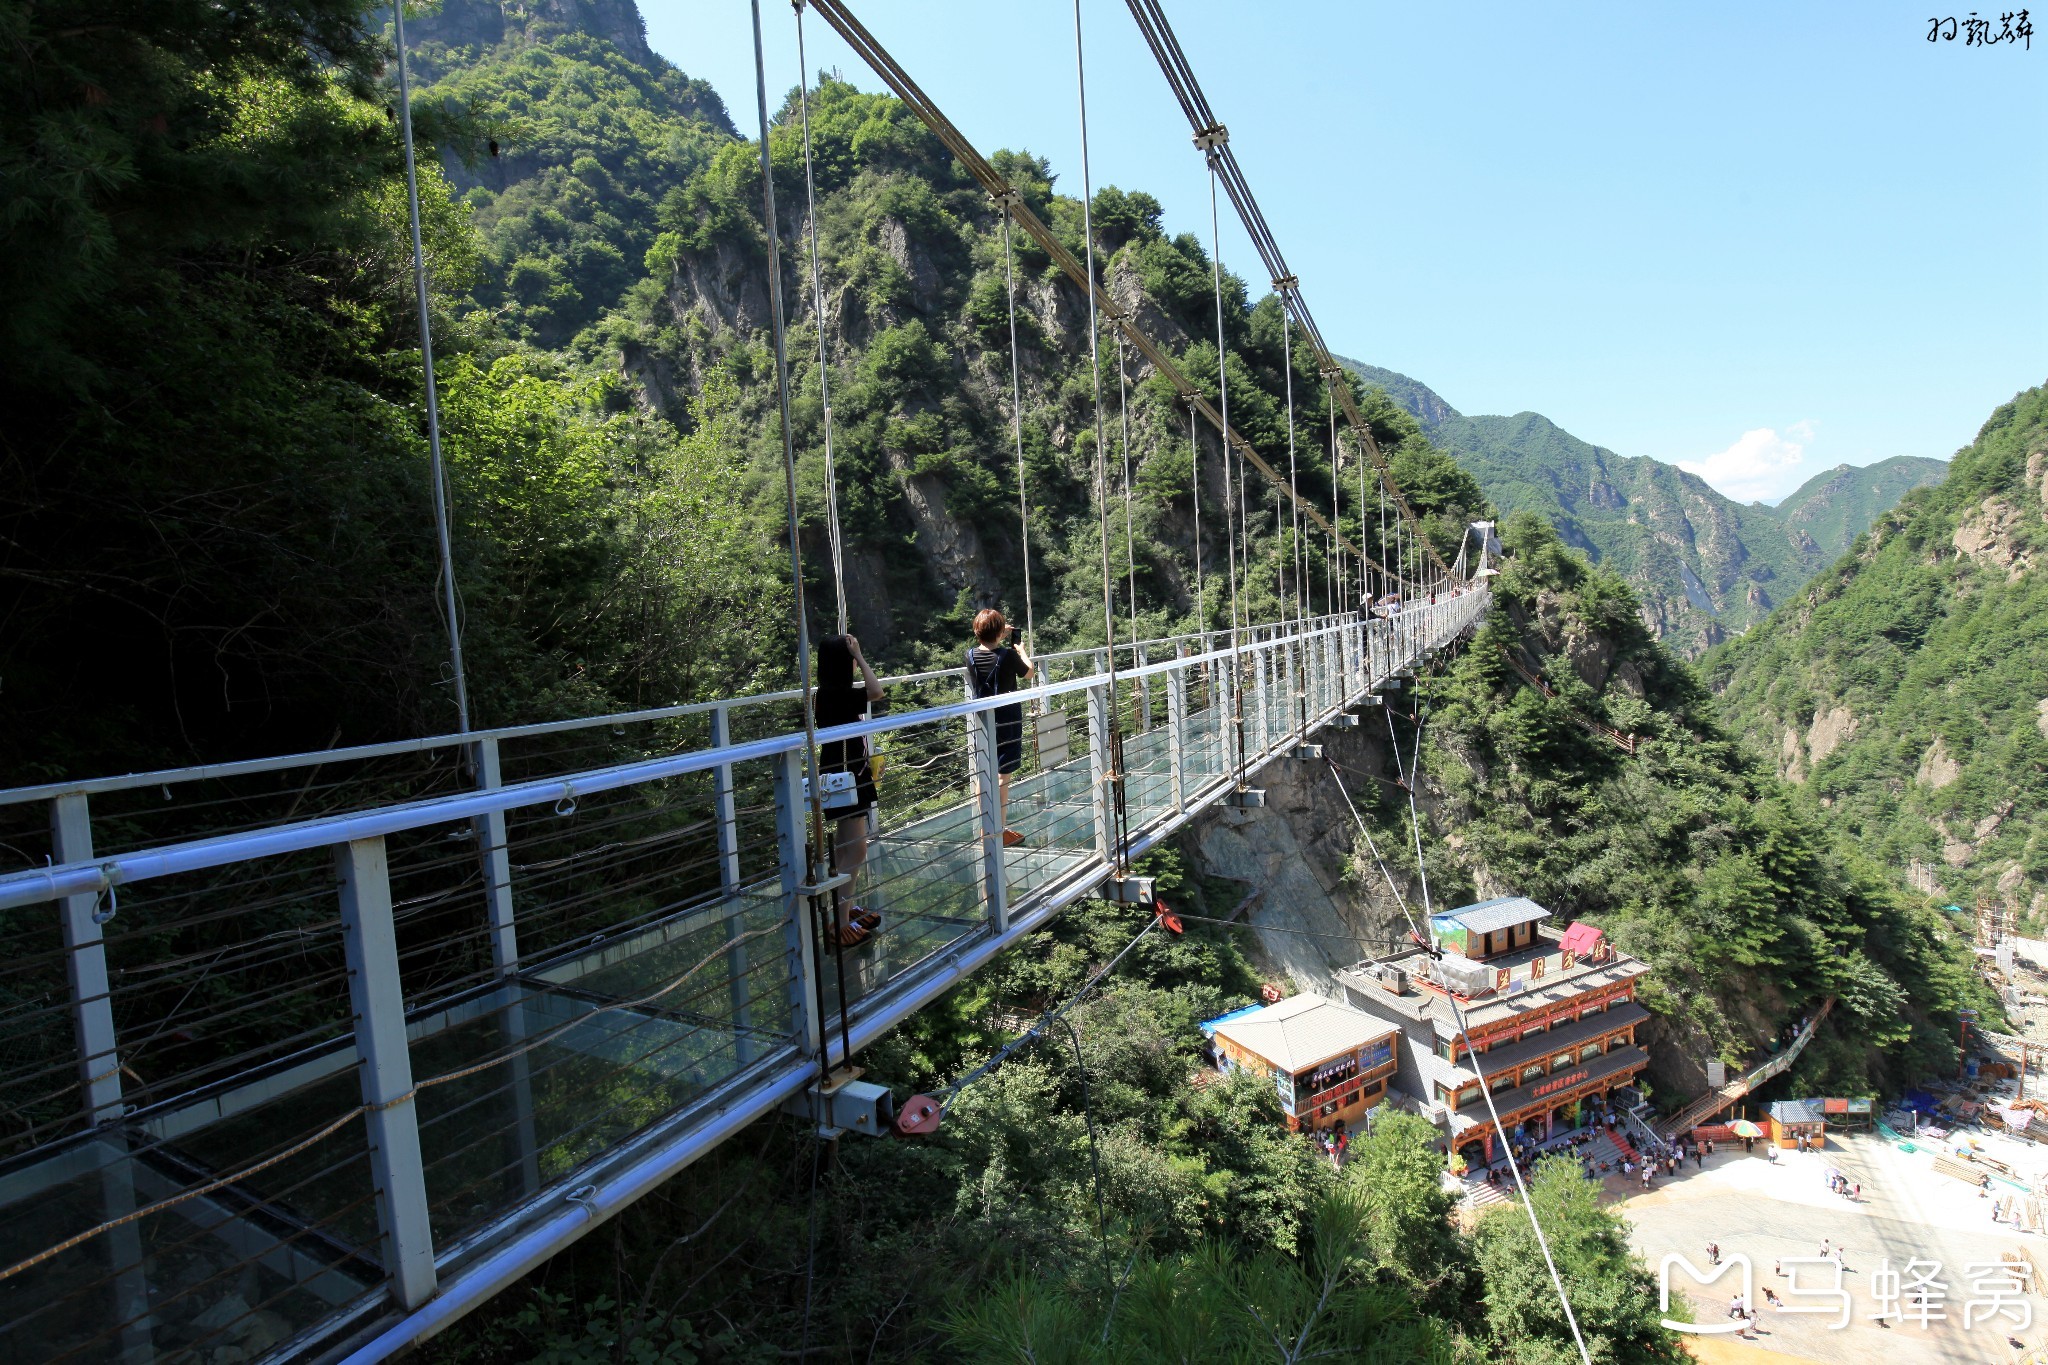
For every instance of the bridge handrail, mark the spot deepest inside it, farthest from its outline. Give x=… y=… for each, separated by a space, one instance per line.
x=94 y=786
x=97 y=875
x=530 y=960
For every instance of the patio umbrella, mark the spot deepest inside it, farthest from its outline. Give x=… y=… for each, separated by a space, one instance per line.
x=1743 y=1128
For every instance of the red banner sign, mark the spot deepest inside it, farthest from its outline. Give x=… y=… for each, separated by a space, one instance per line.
x=1557 y=1083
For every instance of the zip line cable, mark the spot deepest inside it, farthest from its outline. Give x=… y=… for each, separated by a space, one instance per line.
x=818 y=308
x=1119 y=831
x=1528 y=1205
x=1486 y=1091
x=1017 y=428
x=436 y=468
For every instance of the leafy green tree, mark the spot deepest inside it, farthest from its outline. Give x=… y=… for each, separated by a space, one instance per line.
x=1612 y=1294
x=1408 y=1236
x=1213 y=1304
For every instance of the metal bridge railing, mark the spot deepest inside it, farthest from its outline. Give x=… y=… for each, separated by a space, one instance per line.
x=274 y=1084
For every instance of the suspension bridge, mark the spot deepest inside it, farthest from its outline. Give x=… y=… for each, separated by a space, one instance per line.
x=305 y=1057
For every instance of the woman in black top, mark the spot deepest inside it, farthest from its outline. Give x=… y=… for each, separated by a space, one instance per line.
x=839 y=702
x=993 y=668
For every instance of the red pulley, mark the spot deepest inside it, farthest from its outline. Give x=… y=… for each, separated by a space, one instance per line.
x=920 y=1114
x=1166 y=917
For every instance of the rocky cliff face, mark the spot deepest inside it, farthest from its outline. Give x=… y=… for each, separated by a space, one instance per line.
x=1315 y=904
x=482 y=24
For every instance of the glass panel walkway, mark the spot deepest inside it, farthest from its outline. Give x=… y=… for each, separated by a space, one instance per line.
x=311 y=1055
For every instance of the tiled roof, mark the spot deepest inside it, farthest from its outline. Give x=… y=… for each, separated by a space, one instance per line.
x=1580 y=938
x=1303 y=1030
x=1501 y=913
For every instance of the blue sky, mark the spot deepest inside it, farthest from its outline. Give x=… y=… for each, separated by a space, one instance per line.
x=1759 y=240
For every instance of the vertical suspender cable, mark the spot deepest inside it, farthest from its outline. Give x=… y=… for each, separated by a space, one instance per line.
x=1208 y=140
x=1195 y=481
x=818 y=308
x=436 y=469
x=1339 y=583
x=1017 y=429
x=1116 y=764
x=1123 y=408
x=1293 y=477
x=796 y=549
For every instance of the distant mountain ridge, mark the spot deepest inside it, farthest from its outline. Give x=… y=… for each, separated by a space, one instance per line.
x=1705 y=566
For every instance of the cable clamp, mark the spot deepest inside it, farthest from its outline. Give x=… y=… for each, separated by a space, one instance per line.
x=1006 y=198
x=108 y=903
x=1286 y=284
x=566 y=807
x=1212 y=137
x=585 y=1196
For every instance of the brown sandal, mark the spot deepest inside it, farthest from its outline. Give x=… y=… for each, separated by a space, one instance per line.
x=864 y=919
x=846 y=935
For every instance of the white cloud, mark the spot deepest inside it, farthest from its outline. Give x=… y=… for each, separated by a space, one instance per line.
x=1761 y=466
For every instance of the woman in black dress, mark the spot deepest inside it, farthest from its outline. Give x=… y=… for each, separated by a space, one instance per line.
x=838 y=701
x=993 y=668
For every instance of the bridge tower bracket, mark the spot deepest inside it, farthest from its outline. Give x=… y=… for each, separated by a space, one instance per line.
x=845 y=1106
x=1131 y=890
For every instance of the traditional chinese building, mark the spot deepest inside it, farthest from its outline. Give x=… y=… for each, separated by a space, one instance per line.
x=1327 y=1061
x=1551 y=1020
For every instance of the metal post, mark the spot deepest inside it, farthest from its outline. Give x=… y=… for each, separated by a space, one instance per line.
x=497 y=863
x=726 y=816
x=988 y=818
x=789 y=852
x=1144 y=693
x=1176 y=734
x=85 y=956
x=385 y=1069
x=1099 y=769
x=1261 y=661
x=123 y=1243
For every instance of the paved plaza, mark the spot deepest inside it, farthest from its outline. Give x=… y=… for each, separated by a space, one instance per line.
x=1776 y=1211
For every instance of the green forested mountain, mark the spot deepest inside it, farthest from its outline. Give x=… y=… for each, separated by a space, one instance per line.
x=1704 y=566
x=1907 y=687
x=1834 y=507
x=1693 y=854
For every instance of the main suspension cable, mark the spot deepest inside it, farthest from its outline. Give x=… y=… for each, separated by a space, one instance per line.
x=1180 y=77
x=897 y=79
